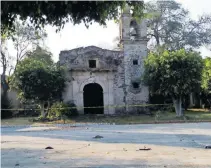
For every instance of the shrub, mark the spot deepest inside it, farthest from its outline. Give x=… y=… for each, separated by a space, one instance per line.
x=170 y=108
x=59 y=110
x=73 y=109
x=31 y=109
x=5 y=104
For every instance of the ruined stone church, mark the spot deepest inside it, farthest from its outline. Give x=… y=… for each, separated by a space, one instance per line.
x=108 y=79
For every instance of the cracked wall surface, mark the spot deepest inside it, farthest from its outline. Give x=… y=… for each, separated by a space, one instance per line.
x=110 y=73
x=115 y=71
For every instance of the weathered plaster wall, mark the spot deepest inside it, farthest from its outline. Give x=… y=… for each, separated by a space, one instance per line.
x=133 y=73
x=81 y=79
x=134 y=43
x=114 y=71
x=79 y=74
x=13 y=97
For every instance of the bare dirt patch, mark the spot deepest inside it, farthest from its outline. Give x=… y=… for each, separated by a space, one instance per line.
x=172 y=145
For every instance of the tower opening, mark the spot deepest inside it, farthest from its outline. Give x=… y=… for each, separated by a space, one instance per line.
x=133 y=30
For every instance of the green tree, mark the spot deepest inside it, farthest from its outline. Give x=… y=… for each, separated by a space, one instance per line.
x=37 y=80
x=206 y=81
x=173 y=73
x=24 y=39
x=57 y=13
x=6 y=65
x=41 y=54
x=171 y=25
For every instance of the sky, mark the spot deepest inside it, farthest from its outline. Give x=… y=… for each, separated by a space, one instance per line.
x=79 y=36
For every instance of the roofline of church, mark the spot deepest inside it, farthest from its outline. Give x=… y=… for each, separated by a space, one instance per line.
x=92 y=46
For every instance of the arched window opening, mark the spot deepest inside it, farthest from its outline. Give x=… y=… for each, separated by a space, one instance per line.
x=135 y=85
x=133 y=30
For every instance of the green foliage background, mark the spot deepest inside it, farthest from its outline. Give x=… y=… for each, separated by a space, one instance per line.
x=174 y=73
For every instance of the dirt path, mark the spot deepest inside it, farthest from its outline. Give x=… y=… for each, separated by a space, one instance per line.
x=172 y=145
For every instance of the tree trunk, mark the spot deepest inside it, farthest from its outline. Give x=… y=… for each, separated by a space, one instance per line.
x=5 y=86
x=178 y=106
x=191 y=100
x=157 y=40
x=48 y=108
x=43 y=109
x=156 y=35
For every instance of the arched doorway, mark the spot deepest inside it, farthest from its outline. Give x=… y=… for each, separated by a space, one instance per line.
x=93 y=97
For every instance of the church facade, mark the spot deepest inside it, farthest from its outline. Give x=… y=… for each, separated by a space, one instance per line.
x=108 y=79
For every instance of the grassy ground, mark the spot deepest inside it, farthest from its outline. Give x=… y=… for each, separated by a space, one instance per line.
x=17 y=121
x=193 y=115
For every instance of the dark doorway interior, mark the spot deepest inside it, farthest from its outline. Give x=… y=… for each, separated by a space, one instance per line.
x=93 y=97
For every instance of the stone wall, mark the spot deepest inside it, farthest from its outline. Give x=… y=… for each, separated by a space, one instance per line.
x=106 y=74
x=133 y=74
x=77 y=59
x=13 y=98
x=134 y=42
x=115 y=71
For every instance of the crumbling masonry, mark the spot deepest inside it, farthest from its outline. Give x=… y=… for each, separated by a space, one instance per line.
x=117 y=73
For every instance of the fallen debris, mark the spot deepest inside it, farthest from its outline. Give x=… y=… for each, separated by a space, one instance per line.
x=98 y=137
x=42 y=157
x=49 y=147
x=143 y=149
x=208 y=147
x=4 y=141
x=124 y=149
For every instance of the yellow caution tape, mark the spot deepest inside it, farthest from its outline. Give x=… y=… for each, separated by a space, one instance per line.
x=111 y=106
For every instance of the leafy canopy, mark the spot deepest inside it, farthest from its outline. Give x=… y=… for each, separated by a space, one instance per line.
x=206 y=76
x=57 y=13
x=173 y=73
x=41 y=55
x=36 y=80
x=23 y=39
x=170 y=24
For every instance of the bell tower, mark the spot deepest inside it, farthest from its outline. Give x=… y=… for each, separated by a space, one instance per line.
x=133 y=38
